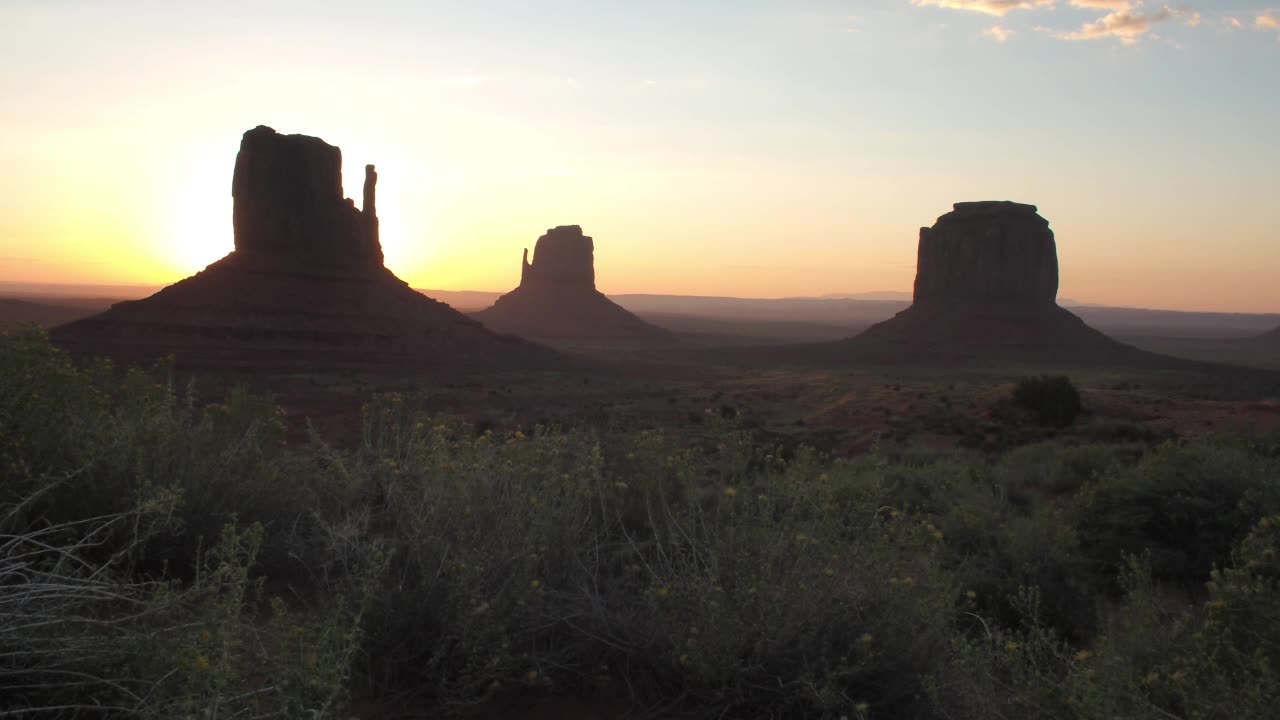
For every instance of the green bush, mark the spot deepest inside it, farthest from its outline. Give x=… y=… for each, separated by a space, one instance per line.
x=165 y=558
x=1054 y=400
x=1183 y=506
x=556 y=561
x=93 y=440
x=1152 y=660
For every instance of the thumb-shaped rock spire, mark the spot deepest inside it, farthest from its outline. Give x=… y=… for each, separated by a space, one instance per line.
x=563 y=258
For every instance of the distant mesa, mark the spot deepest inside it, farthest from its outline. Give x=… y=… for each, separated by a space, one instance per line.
x=304 y=287
x=986 y=291
x=557 y=298
x=1271 y=338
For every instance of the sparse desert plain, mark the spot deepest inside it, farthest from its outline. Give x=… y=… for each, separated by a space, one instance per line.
x=568 y=360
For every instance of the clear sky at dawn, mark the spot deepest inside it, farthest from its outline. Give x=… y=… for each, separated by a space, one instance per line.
x=757 y=148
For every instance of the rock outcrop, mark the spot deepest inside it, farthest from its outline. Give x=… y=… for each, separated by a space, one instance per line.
x=565 y=259
x=557 y=298
x=289 y=207
x=305 y=286
x=988 y=251
x=986 y=293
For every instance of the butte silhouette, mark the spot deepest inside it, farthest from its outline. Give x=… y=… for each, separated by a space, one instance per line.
x=304 y=287
x=557 y=298
x=985 y=293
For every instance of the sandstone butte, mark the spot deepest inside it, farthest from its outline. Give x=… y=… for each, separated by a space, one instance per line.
x=557 y=297
x=986 y=292
x=304 y=287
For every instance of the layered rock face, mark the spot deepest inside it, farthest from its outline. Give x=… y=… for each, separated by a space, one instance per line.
x=989 y=252
x=985 y=291
x=289 y=206
x=305 y=286
x=557 y=297
x=563 y=258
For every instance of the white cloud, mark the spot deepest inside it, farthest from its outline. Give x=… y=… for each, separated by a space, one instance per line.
x=1232 y=22
x=1125 y=26
x=1192 y=17
x=1104 y=4
x=987 y=7
x=997 y=33
x=1268 y=20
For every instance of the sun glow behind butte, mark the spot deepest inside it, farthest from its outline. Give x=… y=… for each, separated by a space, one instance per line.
x=713 y=148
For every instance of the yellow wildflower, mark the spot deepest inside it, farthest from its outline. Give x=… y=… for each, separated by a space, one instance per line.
x=867 y=638
x=1011 y=646
x=201 y=663
x=1082 y=656
x=731 y=491
x=663 y=593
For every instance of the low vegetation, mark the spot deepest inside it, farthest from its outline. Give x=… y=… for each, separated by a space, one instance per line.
x=1053 y=399
x=164 y=559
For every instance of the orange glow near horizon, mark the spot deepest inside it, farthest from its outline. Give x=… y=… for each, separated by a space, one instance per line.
x=439 y=232
x=758 y=152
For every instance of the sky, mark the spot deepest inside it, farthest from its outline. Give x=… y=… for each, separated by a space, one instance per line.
x=753 y=148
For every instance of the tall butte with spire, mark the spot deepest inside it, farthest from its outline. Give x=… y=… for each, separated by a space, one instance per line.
x=557 y=298
x=305 y=286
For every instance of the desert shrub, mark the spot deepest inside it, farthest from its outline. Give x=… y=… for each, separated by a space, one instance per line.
x=708 y=572
x=726 y=576
x=88 y=441
x=1045 y=470
x=1184 y=506
x=83 y=638
x=1152 y=659
x=132 y=573
x=1054 y=400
